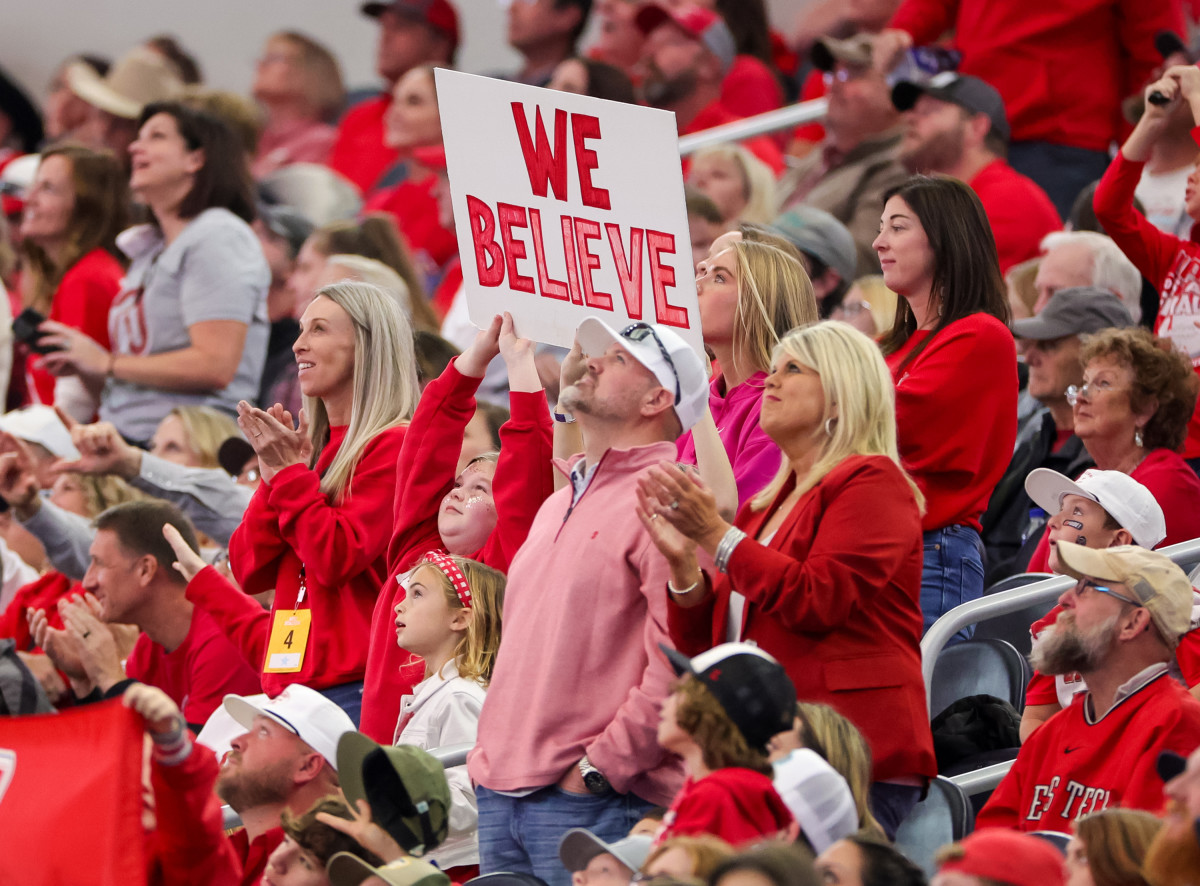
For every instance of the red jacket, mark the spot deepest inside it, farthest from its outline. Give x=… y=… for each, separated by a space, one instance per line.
x=188 y=846
x=956 y=416
x=1062 y=66
x=1171 y=264
x=1074 y=764
x=358 y=152
x=1018 y=210
x=424 y=475
x=738 y=805
x=289 y=525
x=835 y=598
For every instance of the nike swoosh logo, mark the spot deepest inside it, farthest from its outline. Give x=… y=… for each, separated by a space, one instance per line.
x=1072 y=750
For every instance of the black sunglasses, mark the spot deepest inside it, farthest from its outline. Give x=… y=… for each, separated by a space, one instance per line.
x=637 y=332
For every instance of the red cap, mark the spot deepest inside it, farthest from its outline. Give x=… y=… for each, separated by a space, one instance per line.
x=1008 y=856
x=433 y=156
x=701 y=24
x=437 y=14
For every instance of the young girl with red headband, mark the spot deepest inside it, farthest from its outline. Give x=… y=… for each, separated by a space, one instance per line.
x=450 y=617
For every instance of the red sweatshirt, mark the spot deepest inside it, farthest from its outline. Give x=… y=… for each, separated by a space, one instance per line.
x=1018 y=210
x=738 y=805
x=1062 y=66
x=289 y=525
x=761 y=146
x=1171 y=264
x=189 y=846
x=956 y=416
x=414 y=208
x=81 y=301
x=424 y=475
x=358 y=153
x=1075 y=764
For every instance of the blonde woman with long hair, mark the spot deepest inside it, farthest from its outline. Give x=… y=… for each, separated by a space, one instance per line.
x=750 y=294
x=823 y=569
x=318 y=527
x=742 y=186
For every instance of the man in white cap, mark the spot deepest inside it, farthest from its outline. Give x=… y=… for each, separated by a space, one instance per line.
x=1124 y=617
x=1102 y=509
x=286 y=760
x=592 y=862
x=567 y=736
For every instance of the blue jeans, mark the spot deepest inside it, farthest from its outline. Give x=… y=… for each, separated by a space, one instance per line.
x=348 y=697
x=952 y=574
x=1062 y=171
x=521 y=834
x=891 y=804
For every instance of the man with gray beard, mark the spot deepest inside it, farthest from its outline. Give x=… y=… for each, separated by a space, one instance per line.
x=1121 y=623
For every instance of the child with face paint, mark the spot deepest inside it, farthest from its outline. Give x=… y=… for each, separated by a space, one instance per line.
x=483 y=513
x=1101 y=509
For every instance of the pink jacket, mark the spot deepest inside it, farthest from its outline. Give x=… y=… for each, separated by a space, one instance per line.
x=579 y=670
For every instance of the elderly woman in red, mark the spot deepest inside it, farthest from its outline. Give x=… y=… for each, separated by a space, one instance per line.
x=823 y=567
x=318 y=527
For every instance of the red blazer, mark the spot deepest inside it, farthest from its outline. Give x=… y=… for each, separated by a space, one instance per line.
x=835 y=598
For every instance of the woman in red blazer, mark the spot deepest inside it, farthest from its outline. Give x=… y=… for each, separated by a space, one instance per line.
x=823 y=567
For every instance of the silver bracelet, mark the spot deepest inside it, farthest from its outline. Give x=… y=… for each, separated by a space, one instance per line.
x=681 y=591
x=730 y=540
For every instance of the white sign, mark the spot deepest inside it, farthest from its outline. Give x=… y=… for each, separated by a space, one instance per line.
x=566 y=207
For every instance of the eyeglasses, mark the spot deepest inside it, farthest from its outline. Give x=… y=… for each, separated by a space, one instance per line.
x=1088 y=391
x=1083 y=584
x=639 y=331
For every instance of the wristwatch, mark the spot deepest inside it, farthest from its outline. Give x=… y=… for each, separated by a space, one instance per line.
x=593 y=778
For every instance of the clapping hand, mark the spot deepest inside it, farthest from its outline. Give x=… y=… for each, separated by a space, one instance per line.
x=277 y=443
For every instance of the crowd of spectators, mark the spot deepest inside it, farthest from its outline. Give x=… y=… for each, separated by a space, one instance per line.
x=264 y=482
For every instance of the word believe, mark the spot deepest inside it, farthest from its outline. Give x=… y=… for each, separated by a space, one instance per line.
x=498 y=247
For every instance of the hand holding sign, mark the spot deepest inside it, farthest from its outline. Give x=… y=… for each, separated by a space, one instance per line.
x=572 y=208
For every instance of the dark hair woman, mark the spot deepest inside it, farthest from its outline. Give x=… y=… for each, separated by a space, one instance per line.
x=190 y=326
x=955 y=367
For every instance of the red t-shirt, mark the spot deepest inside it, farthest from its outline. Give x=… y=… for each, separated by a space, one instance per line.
x=956 y=416
x=199 y=673
x=412 y=204
x=81 y=301
x=750 y=87
x=738 y=805
x=44 y=592
x=1018 y=210
x=1176 y=489
x=358 y=151
x=761 y=146
x=1075 y=764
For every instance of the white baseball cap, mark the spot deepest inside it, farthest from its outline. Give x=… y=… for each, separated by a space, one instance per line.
x=40 y=424
x=315 y=719
x=663 y=351
x=1128 y=502
x=818 y=797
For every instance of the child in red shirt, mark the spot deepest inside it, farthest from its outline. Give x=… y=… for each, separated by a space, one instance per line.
x=731 y=701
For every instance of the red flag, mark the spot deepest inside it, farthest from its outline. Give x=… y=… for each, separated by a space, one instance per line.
x=70 y=798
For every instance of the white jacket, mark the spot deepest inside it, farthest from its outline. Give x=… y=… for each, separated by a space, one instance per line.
x=445 y=711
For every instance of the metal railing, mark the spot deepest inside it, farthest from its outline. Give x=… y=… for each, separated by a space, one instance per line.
x=980 y=780
x=1186 y=554
x=761 y=124
x=449 y=756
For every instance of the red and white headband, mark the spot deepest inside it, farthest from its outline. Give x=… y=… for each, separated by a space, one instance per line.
x=446 y=565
